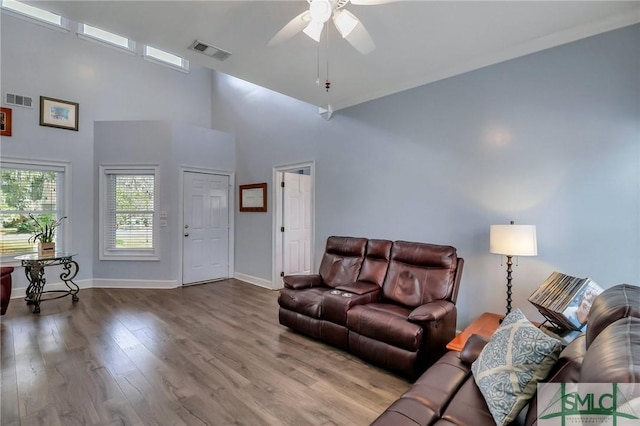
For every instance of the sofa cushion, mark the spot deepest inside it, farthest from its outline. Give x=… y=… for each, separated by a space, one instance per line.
x=429 y=396
x=468 y=407
x=509 y=367
x=307 y=302
x=386 y=323
x=438 y=385
x=617 y=302
x=420 y=273
x=342 y=260
x=614 y=357
x=376 y=262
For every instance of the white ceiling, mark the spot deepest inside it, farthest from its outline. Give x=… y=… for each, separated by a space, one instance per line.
x=417 y=41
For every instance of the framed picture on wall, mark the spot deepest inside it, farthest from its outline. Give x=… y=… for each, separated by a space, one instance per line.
x=58 y=113
x=5 y=121
x=253 y=198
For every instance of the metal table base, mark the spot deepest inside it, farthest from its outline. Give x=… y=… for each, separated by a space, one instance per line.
x=34 y=267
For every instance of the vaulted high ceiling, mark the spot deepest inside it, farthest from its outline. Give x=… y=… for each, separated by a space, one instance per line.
x=417 y=42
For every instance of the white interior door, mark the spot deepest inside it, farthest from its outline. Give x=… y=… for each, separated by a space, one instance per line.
x=297 y=224
x=205 y=254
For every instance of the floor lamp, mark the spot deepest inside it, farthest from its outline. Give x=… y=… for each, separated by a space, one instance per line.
x=512 y=240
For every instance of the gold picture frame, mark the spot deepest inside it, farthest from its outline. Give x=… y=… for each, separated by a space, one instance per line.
x=253 y=198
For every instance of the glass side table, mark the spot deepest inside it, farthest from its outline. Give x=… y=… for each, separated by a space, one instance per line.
x=34 y=266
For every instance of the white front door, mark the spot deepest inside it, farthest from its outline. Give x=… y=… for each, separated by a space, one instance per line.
x=297 y=224
x=205 y=254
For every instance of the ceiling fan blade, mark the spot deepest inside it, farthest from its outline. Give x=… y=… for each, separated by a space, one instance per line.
x=360 y=39
x=294 y=26
x=371 y=2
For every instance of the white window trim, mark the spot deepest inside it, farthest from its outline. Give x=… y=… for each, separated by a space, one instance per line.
x=63 y=27
x=127 y=254
x=131 y=50
x=185 y=63
x=64 y=238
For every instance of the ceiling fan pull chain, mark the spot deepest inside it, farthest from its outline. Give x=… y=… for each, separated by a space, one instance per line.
x=327 y=83
x=318 y=65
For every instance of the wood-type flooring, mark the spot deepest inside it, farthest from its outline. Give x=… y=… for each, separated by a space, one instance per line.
x=210 y=354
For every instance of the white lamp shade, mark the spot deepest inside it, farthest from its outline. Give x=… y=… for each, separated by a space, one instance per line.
x=513 y=240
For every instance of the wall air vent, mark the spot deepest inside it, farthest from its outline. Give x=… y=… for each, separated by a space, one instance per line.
x=207 y=49
x=18 y=100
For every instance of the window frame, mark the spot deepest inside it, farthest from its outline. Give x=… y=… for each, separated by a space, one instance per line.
x=63 y=198
x=134 y=254
x=62 y=27
x=184 y=64
x=83 y=34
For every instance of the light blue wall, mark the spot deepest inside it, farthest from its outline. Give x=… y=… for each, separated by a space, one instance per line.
x=169 y=145
x=550 y=139
x=108 y=85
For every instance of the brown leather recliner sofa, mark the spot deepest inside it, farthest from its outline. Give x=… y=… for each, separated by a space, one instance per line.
x=391 y=303
x=609 y=352
x=5 y=288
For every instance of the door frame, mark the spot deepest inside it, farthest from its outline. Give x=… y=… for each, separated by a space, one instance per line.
x=277 y=259
x=231 y=201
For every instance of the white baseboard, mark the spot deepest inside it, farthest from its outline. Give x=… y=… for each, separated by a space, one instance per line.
x=150 y=284
x=21 y=292
x=253 y=280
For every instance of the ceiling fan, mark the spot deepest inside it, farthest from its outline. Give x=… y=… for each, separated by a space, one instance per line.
x=312 y=22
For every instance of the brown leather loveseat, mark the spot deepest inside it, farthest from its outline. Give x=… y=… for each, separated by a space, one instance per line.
x=391 y=303
x=609 y=352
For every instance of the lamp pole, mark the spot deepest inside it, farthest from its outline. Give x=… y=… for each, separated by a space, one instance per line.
x=509 y=270
x=512 y=240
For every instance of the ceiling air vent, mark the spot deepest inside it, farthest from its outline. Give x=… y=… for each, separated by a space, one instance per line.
x=207 y=49
x=18 y=100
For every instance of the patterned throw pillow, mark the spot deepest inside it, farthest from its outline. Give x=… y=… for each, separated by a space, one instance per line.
x=509 y=367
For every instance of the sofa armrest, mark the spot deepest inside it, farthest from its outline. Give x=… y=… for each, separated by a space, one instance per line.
x=359 y=287
x=472 y=348
x=299 y=282
x=432 y=311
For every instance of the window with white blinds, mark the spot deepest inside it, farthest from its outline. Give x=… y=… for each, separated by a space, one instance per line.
x=35 y=189
x=129 y=214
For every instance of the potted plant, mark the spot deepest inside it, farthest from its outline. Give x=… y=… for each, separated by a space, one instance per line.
x=44 y=234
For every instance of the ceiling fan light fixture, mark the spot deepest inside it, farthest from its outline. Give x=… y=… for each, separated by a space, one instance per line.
x=345 y=22
x=314 y=30
x=320 y=10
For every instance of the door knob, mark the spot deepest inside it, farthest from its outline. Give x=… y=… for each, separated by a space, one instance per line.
x=186 y=227
x=186 y=235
